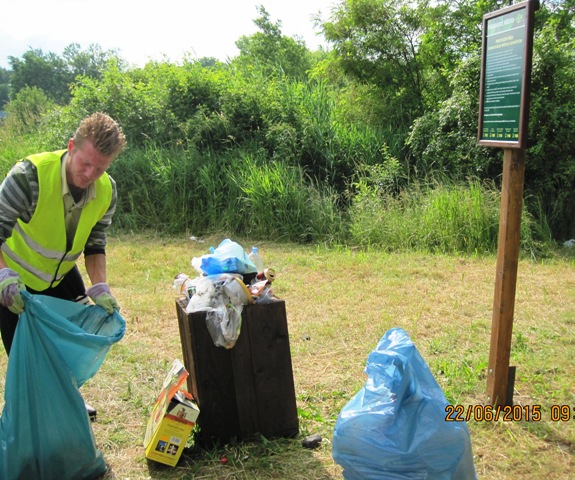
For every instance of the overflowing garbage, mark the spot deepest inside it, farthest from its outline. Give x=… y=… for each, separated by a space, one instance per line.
x=227 y=278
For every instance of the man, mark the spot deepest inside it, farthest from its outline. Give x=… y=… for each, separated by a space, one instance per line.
x=53 y=207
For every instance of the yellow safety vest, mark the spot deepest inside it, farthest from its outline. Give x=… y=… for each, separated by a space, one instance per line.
x=37 y=250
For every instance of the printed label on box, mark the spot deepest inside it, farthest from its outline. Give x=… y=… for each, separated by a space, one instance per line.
x=172 y=419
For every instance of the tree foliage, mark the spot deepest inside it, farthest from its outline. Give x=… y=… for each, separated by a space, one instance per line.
x=377 y=43
x=53 y=73
x=401 y=82
x=270 y=51
x=27 y=111
x=4 y=87
x=445 y=139
x=408 y=50
x=550 y=171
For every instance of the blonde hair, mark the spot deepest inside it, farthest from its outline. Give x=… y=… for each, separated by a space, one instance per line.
x=104 y=133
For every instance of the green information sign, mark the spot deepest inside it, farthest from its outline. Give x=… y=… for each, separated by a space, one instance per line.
x=505 y=70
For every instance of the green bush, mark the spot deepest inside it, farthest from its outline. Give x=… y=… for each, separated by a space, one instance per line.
x=26 y=111
x=19 y=130
x=136 y=99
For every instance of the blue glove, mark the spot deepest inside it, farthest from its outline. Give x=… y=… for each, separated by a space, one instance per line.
x=101 y=295
x=10 y=286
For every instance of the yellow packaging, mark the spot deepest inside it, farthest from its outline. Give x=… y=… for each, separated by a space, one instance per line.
x=172 y=419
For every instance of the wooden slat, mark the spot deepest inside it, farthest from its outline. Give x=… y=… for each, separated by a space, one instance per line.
x=210 y=381
x=271 y=391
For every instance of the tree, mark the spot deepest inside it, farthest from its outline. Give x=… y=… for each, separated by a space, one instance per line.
x=407 y=49
x=90 y=62
x=444 y=139
x=26 y=110
x=208 y=62
x=271 y=51
x=4 y=87
x=376 y=42
x=550 y=171
x=54 y=74
x=45 y=71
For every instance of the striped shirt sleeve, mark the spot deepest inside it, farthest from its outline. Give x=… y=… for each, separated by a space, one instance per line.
x=18 y=197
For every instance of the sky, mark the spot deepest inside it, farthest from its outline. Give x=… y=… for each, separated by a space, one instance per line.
x=150 y=30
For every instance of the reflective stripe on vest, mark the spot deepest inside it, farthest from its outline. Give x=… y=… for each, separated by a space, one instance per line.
x=37 y=250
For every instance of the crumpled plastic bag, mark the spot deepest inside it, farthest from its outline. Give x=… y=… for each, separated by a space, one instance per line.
x=395 y=427
x=45 y=431
x=222 y=296
x=224 y=324
x=204 y=296
x=228 y=257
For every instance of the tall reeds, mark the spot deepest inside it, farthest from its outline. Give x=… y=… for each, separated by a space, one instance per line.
x=445 y=217
x=237 y=191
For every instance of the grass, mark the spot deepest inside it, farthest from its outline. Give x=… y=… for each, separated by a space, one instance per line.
x=339 y=304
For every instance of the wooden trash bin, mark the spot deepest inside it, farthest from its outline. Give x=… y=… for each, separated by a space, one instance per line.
x=246 y=390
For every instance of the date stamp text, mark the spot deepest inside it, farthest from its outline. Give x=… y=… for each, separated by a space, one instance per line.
x=508 y=413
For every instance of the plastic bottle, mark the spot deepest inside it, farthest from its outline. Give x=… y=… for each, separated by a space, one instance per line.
x=256 y=259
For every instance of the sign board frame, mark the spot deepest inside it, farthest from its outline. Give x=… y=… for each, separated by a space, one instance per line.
x=507 y=51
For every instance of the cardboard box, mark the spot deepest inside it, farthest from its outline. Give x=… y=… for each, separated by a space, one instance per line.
x=172 y=419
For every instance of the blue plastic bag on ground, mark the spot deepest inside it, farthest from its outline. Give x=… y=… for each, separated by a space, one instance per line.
x=395 y=427
x=45 y=431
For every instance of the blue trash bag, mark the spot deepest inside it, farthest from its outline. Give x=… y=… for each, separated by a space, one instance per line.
x=228 y=257
x=45 y=431
x=395 y=427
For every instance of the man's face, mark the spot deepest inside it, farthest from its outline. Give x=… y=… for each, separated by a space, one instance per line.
x=85 y=164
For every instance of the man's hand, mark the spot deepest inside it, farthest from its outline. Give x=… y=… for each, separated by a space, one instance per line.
x=101 y=295
x=10 y=286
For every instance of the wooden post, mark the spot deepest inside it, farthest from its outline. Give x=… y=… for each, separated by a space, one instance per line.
x=506 y=277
